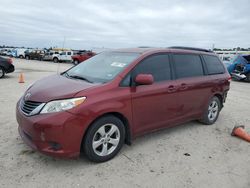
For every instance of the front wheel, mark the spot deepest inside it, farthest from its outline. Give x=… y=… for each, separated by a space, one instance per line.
x=104 y=139
x=55 y=60
x=2 y=72
x=212 y=112
x=75 y=62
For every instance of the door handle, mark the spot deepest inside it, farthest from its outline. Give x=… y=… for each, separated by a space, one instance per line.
x=183 y=86
x=171 y=89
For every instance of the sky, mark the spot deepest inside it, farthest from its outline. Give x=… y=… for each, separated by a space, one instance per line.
x=129 y=23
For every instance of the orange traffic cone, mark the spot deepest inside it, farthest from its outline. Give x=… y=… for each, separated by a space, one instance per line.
x=21 y=78
x=240 y=132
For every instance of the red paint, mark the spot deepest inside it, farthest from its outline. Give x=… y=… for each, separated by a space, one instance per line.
x=144 y=79
x=82 y=57
x=145 y=107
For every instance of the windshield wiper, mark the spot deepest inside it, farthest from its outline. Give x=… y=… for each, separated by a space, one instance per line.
x=78 y=77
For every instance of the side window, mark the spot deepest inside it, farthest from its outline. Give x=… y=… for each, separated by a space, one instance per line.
x=247 y=57
x=63 y=53
x=187 y=65
x=68 y=53
x=157 y=65
x=214 y=66
x=126 y=81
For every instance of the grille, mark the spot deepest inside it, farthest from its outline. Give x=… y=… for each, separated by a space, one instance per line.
x=28 y=106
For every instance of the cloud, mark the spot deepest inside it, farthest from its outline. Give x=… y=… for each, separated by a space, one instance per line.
x=115 y=24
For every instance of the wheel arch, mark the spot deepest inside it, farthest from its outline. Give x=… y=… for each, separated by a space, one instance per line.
x=220 y=97
x=120 y=116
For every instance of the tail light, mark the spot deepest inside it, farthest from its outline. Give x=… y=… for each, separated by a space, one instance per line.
x=229 y=78
x=10 y=61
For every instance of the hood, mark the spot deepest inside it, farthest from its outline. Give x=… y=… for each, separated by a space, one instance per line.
x=56 y=87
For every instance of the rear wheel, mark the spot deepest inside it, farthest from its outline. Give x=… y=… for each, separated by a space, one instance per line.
x=75 y=62
x=212 y=112
x=27 y=57
x=55 y=60
x=2 y=72
x=21 y=56
x=104 y=139
x=248 y=77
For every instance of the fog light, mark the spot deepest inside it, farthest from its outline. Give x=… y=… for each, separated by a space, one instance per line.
x=55 y=146
x=42 y=136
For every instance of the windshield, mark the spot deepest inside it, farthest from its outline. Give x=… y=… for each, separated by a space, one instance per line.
x=102 y=67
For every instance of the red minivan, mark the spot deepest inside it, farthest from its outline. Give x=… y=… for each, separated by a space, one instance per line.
x=115 y=96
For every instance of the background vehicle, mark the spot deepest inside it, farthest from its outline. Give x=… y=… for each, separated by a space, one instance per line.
x=48 y=56
x=6 y=66
x=108 y=100
x=63 y=56
x=20 y=52
x=82 y=56
x=239 y=67
x=58 y=56
x=6 y=51
x=10 y=53
x=34 y=54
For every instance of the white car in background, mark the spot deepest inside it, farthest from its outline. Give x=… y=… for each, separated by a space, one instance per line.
x=20 y=52
x=58 y=56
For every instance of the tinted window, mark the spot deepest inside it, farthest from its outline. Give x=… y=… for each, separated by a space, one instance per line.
x=157 y=65
x=214 y=66
x=188 y=65
x=68 y=53
x=63 y=53
x=247 y=58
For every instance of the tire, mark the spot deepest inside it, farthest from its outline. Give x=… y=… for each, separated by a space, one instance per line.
x=212 y=112
x=75 y=62
x=2 y=72
x=27 y=57
x=248 y=77
x=55 y=60
x=100 y=144
x=21 y=57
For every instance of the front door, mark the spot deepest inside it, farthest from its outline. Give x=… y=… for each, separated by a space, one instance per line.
x=154 y=106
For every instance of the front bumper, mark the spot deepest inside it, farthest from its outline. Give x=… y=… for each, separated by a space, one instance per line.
x=56 y=134
x=238 y=76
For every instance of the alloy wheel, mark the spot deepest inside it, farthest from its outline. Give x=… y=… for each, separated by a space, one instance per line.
x=213 y=110
x=106 y=140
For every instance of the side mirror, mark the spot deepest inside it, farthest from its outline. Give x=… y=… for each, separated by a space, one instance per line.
x=144 y=79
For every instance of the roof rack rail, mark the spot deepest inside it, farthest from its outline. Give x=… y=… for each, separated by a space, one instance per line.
x=190 y=48
x=144 y=47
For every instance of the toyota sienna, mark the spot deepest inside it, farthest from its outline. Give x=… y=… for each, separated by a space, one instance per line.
x=115 y=96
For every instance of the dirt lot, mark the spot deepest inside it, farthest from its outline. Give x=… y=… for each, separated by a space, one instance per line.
x=191 y=155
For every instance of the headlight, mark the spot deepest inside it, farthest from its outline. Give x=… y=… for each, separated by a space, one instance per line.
x=62 y=105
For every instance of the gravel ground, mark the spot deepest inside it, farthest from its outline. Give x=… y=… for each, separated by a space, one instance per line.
x=189 y=155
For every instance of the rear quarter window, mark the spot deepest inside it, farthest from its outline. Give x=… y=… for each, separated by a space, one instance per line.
x=188 y=65
x=213 y=64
